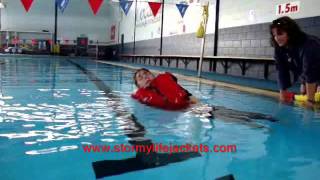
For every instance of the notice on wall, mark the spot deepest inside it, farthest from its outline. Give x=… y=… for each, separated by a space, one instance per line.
x=288 y=8
x=113 y=32
x=145 y=16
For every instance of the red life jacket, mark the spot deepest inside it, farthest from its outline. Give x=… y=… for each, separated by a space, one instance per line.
x=164 y=92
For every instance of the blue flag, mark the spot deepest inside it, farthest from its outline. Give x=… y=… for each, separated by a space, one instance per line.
x=125 y=5
x=182 y=8
x=62 y=4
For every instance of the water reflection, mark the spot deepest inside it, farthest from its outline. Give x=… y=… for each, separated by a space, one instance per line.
x=52 y=150
x=43 y=122
x=36 y=123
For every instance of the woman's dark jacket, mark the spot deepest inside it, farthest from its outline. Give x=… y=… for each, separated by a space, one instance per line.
x=301 y=61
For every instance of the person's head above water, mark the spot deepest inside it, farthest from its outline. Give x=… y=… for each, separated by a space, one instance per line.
x=142 y=78
x=285 y=32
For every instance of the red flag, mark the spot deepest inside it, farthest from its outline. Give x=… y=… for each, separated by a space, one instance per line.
x=27 y=4
x=95 y=5
x=155 y=6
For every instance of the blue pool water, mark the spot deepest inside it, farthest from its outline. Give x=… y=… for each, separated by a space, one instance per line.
x=50 y=108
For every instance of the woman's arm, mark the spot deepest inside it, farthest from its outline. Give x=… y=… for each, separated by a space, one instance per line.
x=284 y=79
x=310 y=54
x=311 y=89
x=283 y=68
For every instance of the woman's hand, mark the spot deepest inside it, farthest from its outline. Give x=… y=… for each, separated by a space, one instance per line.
x=302 y=89
x=311 y=89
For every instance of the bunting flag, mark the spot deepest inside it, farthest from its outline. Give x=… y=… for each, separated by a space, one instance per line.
x=27 y=4
x=125 y=5
x=62 y=4
x=182 y=8
x=95 y=5
x=155 y=6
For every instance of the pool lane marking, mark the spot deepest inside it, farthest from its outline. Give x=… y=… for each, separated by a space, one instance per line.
x=207 y=81
x=142 y=160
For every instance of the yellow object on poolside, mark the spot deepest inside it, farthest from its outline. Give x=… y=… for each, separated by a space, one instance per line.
x=305 y=98
x=56 y=49
x=317 y=97
x=201 y=31
x=300 y=97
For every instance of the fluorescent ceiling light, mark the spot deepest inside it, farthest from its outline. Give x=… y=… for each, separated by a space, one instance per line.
x=2 y=5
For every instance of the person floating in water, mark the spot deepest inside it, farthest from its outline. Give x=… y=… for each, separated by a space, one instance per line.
x=164 y=92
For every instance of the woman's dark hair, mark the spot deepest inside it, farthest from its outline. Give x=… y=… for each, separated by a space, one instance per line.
x=135 y=73
x=295 y=34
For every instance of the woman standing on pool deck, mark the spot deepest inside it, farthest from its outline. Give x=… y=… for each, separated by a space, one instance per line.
x=298 y=53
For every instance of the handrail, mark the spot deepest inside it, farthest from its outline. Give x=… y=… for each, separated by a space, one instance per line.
x=192 y=56
x=243 y=62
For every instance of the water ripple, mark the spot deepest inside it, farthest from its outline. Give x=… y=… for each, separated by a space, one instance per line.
x=51 y=150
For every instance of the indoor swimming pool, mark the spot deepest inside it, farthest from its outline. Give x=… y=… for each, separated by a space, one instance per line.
x=51 y=108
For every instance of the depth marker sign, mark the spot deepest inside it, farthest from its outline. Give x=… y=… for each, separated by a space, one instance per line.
x=288 y=8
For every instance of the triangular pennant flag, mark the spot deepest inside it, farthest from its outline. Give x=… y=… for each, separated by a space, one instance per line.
x=95 y=5
x=125 y=5
x=182 y=8
x=155 y=6
x=62 y=4
x=27 y=4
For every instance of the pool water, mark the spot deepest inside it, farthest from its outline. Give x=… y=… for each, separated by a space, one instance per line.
x=51 y=107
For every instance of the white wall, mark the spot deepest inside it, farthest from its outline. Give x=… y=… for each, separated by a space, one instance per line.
x=232 y=13
x=236 y=12
x=14 y=17
x=78 y=18
x=149 y=27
